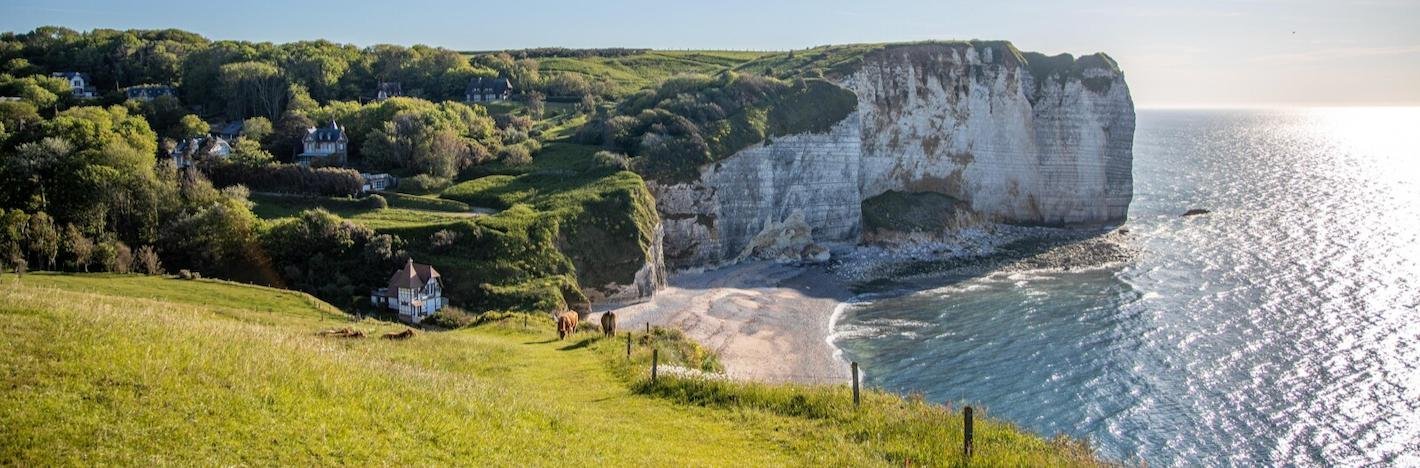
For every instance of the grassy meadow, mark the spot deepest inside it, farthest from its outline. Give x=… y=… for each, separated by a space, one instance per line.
x=133 y=370
x=634 y=72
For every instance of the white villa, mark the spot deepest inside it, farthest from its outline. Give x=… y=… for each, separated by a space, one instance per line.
x=79 y=83
x=324 y=146
x=415 y=292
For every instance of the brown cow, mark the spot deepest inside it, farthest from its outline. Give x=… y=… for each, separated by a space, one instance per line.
x=403 y=335
x=566 y=324
x=609 y=323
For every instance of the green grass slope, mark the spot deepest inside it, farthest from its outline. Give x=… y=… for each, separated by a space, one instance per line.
x=630 y=73
x=559 y=228
x=106 y=369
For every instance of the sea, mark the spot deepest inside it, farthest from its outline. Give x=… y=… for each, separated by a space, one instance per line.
x=1281 y=328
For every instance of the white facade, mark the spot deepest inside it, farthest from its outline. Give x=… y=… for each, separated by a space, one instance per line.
x=414 y=293
x=412 y=305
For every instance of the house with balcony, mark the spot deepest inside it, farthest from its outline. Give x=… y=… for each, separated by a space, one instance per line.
x=323 y=146
x=414 y=292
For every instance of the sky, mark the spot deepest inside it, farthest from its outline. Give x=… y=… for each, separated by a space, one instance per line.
x=1202 y=53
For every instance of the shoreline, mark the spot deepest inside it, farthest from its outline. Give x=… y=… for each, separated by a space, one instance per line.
x=774 y=322
x=767 y=321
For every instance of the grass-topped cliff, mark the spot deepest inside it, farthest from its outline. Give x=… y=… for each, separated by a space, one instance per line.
x=115 y=369
x=558 y=225
x=692 y=120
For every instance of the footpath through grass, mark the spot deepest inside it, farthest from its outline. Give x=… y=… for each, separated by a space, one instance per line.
x=131 y=370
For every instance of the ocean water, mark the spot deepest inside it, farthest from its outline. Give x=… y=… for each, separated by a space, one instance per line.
x=1281 y=329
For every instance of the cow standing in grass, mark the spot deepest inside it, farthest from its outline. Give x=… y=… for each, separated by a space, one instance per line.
x=609 y=324
x=566 y=324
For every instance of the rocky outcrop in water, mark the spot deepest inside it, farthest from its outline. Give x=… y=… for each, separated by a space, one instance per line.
x=1013 y=138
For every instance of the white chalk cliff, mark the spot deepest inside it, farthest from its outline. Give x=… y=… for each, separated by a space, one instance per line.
x=1019 y=139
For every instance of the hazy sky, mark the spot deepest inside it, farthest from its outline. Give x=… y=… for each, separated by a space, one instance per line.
x=1196 y=53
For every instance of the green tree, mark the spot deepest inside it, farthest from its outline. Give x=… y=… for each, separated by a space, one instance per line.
x=254 y=88
x=192 y=126
x=44 y=239
x=40 y=97
x=536 y=104
x=17 y=115
x=248 y=152
x=79 y=247
x=14 y=233
x=257 y=128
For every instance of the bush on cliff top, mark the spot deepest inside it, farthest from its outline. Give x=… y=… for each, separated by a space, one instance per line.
x=567 y=223
x=692 y=120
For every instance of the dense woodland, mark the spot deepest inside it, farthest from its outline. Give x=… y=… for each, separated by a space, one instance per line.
x=88 y=185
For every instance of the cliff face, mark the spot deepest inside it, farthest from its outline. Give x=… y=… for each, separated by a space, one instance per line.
x=1017 y=138
x=761 y=192
x=976 y=124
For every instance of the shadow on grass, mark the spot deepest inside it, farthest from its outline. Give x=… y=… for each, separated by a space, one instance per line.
x=578 y=345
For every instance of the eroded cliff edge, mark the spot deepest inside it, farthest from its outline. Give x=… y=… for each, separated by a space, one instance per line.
x=944 y=135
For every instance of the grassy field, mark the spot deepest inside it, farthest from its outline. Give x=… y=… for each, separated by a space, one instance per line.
x=131 y=370
x=634 y=72
x=418 y=211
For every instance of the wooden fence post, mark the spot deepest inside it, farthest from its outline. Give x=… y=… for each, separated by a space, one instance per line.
x=654 y=358
x=648 y=328
x=628 y=345
x=966 y=433
x=855 y=384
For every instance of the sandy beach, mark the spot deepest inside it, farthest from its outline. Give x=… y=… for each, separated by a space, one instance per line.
x=768 y=321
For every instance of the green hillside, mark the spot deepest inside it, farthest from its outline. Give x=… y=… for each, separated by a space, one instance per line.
x=133 y=370
x=629 y=73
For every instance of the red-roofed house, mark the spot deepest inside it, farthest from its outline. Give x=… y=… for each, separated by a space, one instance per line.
x=415 y=292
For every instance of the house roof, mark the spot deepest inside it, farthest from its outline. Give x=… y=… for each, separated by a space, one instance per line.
x=192 y=146
x=150 y=91
x=332 y=133
x=412 y=276
x=483 y=85
x=70 y=75
x=233 y=128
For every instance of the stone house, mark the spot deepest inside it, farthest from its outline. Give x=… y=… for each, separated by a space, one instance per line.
x=414 y=292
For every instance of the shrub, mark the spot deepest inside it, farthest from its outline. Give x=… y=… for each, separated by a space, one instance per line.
x=443 y=239
x=377 y=202
x=423 y=184
x=123 y=258
x=610 y=160
x=516 y=155
x=147 y=261
x=288 y=178
x=452 y=317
